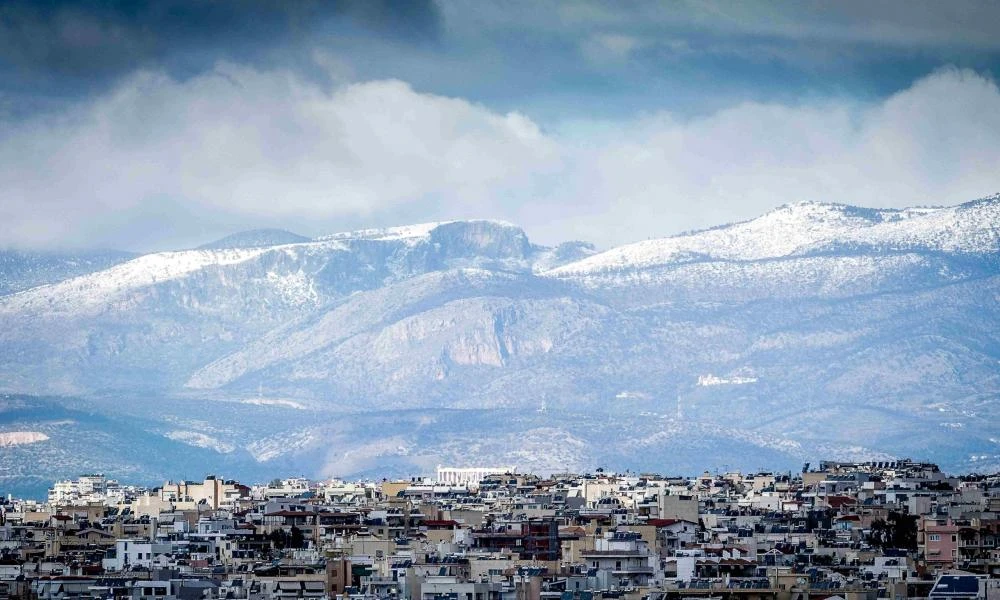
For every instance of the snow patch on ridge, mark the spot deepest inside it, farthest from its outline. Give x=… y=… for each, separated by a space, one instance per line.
x=711 y=380
x=419 y=230
x=19 y=438
x=288 y=442
x=296 y=289
x=200 y=440
x=274 y=402
x=94 y=289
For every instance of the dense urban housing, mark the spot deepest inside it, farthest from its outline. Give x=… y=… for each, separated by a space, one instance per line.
x=893 y=529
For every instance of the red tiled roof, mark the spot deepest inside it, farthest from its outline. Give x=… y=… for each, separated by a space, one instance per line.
x=432 y=523
x=838 y=501
x=662 y=522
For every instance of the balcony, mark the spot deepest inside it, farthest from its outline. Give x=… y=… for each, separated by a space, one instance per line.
x=632 y=570
x=612 y=553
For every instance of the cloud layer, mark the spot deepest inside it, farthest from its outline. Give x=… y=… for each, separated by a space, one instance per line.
x=158 y=162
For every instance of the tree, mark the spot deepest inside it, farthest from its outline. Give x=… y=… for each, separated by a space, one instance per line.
x=278 y=539
x=899 y=531
x=297 y=539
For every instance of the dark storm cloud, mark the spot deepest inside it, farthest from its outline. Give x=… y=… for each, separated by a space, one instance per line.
x=605 y=58
x=162 y=124
x=60 y=46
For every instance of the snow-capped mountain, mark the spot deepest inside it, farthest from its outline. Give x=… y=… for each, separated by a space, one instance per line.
x=853 y=332
x=809 y=228
x=21 y=270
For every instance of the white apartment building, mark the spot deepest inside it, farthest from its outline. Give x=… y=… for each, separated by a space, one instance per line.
x=468 y=476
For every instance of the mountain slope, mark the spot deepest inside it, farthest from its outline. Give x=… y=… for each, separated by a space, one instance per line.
x=809 y=228
x=154 y=320
x=814 y=331
x=21 y=270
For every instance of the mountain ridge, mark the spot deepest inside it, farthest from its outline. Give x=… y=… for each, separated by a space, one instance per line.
x=877 y=325
x=255 y=238
x=767 y=232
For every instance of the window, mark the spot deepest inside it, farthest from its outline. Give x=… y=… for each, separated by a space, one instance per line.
x=934 y=537
x=954 y=538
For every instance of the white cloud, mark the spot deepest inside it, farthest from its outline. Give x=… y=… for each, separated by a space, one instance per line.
x=602 y=48
x=243 y=142
x=937 y=142
x=269 y=149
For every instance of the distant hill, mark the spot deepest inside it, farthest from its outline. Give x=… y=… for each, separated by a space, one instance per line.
x=256 y=238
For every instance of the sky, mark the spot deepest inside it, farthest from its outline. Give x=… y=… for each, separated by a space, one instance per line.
x=166 y=124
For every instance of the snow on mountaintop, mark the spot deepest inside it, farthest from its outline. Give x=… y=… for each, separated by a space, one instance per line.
x=476 y=238
x=16 y=438
x=972 y=228
x=405 y=232
x=94 y=288
x=24 y=269
x=804 y=227
x=793 y=230
x=402 y=232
